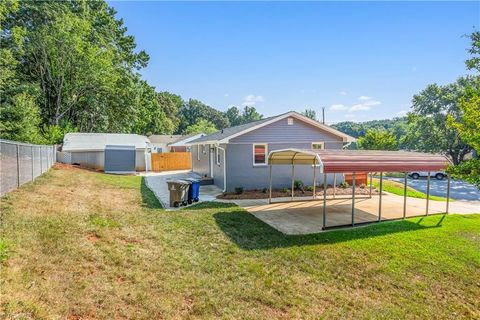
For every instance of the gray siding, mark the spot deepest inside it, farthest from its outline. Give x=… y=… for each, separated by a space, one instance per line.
x=242 y=173
x=96 y=159
x=280 y=131
x=201 y=166
x=279 y=135
x=218 y=169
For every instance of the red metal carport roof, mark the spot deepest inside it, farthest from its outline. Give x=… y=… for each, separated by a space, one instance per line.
x=361 y=160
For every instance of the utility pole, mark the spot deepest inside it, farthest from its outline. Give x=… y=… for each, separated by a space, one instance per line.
x=323 y=115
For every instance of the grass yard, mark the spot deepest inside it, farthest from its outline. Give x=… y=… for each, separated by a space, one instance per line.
x=397 y=188
x=83 y=245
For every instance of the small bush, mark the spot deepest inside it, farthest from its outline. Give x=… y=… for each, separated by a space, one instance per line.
x=298 y=185
x=286 y=190
x=309 y=188
x=264 y=190
x=362 y=186
x=238 y=190
x=344 y=185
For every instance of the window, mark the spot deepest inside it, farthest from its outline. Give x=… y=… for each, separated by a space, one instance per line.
x=259 y=154
x=217 y=155
x=318 y=145
x=290 y=121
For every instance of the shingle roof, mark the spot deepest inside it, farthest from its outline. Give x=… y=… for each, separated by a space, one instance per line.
x=98 y=141
x=165 y=138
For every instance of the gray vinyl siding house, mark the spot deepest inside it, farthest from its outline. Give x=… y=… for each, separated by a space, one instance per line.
x=229 y=158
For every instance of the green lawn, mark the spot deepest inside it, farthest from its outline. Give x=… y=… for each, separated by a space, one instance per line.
x=84 y=245
x=397 y=188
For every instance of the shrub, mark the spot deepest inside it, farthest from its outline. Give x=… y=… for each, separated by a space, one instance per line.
x=298 y=185
x=309 y=188
x=344 y=185
x=362 y=186
x=238 y=190
x=286 y=190
x=264 y=190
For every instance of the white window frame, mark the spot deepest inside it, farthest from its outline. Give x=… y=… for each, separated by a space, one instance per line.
x=253 y=154
x=320 y=142
x=217 y=156
x=198 y=152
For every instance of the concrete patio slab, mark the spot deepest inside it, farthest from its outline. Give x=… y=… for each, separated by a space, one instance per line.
x=157 y=182
x=305 y=217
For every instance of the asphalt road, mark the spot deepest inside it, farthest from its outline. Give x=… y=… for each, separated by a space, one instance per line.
x=459 y=190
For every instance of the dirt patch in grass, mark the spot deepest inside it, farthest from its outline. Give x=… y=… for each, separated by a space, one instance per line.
x=278 y=193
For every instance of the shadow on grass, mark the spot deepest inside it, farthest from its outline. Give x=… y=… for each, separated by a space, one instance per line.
x=250 y=233
x=210 y=205
x=149 y=200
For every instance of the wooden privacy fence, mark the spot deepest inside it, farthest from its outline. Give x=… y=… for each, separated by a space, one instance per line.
x=171 y=161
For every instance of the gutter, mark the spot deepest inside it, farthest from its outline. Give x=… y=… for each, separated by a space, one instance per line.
x=224 y=168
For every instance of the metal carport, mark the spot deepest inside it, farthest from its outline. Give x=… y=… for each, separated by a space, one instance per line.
x=353 y=161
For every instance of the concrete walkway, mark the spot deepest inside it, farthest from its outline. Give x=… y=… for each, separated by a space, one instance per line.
x=304 y=217
x=157 y=182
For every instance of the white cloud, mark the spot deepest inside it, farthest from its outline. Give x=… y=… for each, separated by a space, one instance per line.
x=402 y=112
x=252 y=100
x=364 y=98
x=342 y=93
x=372 y=103
x=337 y=107
x=359 y=107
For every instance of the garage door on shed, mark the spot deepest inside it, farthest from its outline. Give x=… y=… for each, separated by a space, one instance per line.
x=119 y=159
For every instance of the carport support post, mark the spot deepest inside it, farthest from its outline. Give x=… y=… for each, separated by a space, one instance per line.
x=370 y=184
x=448 y=193
x=293 y=179
x=270 y=186
x=353 y=198
x=334 y=184
x=428 y=192
x=380 y=198
x=405 y=196
x=314 y=179
x=324 y=201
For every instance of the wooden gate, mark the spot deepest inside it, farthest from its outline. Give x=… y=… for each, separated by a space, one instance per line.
x=171 y=161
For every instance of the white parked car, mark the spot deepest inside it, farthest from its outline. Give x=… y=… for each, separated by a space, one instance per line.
x=439 y=175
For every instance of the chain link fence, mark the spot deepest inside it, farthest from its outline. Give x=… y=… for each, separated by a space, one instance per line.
x=21 y=163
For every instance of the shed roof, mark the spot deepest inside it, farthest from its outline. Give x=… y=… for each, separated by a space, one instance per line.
x=360 y=160
x=165 y=138
x=76 y=142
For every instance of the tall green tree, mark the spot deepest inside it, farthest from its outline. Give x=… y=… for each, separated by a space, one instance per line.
x=233 y=115
x=202 y=126
x=376 y=139
x=427 y=123
x=474 y=50
x=194 y=110
x=310 y=113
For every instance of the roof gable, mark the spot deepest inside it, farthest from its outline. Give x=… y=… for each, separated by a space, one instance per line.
x=225 y=135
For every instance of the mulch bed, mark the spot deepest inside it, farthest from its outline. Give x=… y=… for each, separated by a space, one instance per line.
x=278 y=193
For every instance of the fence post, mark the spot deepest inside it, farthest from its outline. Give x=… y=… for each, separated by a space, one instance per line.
x=18 y=165
x=31 y=153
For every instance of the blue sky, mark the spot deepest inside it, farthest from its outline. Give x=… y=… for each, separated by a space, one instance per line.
x=361 y=60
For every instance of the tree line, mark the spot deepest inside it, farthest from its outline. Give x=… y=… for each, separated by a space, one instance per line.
x=70 y=66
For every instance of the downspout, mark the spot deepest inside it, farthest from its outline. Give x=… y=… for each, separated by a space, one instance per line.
x=224 y=168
